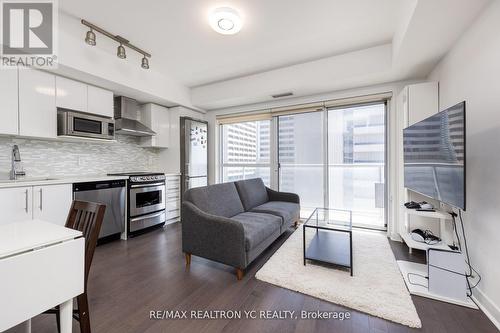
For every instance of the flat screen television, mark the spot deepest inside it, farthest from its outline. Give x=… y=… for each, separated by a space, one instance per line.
x=434 y=156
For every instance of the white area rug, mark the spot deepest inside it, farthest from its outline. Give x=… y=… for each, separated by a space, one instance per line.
x=377 y=287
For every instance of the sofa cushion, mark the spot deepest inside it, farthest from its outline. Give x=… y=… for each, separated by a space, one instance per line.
x=288 y=211
x=252 y=192
x=219 y=199
x=257 y=227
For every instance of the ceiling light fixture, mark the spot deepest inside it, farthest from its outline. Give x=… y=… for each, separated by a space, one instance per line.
x=145 y=63
x=120 y=52
x=90 y=38
x=225 y=20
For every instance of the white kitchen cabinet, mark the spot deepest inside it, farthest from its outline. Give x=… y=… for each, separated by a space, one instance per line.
x=173 y=198
x=15 y=204
x=8 y=102
x=71 y=94
x=37 y=104
x=157 y=118
x=100 y=101
x=51 y=203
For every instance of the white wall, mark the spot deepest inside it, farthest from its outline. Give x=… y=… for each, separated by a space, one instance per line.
x=471 y=72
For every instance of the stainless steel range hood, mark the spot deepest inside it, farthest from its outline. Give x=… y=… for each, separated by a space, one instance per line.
x=127 y=118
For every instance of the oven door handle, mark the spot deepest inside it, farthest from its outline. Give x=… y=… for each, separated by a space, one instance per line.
x=147 y=216
x=147 y=185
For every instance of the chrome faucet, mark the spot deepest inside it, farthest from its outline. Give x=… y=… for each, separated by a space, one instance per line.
x=16 y=169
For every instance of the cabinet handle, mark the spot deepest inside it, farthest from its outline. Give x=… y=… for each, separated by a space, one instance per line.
x=41 y=199
x=26 y=202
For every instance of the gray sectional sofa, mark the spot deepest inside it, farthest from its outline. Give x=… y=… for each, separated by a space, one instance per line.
x=232 y=223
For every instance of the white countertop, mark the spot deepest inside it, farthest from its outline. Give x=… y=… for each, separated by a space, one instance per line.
x=19 y=237
x=36 y=181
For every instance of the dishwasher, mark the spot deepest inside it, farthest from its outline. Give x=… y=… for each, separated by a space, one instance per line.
x=110 y=193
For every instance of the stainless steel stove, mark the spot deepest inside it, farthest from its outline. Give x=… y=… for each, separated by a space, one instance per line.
x=146 y=200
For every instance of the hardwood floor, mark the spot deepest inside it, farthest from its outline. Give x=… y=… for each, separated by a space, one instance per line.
x=130 y=279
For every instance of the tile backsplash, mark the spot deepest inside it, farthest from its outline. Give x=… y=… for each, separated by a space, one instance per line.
x=57 y=158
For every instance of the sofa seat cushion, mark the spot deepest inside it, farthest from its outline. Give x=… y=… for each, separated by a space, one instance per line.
x=288 y=211
x=252 y=192
x=257 y=227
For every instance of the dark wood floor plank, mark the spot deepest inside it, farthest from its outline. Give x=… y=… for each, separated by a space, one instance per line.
x=129 y=279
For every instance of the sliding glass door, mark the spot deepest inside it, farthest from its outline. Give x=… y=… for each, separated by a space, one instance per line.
x=356 y=163
x=335 y=158
x=301 y=158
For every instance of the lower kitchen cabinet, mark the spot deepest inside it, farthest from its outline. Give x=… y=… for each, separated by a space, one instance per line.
x=16 y=204
x=173 y=198
x=50 y=203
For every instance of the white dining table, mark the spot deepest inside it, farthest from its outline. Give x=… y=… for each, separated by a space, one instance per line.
x=41 y=266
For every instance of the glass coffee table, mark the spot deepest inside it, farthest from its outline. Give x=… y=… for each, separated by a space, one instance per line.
x=332 y=239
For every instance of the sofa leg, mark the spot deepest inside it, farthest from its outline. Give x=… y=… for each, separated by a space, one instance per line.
x=296 y=224
x=188 y=259
x=239 y=274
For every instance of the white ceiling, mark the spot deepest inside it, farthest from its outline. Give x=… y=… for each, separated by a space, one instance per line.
x=276 y=33
x=306 y=47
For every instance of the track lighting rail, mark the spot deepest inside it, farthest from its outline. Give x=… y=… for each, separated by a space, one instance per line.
x=119 y=39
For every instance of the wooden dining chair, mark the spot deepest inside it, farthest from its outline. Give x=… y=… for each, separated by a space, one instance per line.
x=86 y=217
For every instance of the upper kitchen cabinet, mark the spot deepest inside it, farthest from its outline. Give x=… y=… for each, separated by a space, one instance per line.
x=100 y=101
x=79 y=96
x=37 y=104
x=71 y=94
x=8 y=102
x=157 y=118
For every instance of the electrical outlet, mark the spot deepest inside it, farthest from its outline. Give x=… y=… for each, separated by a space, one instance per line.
x=150 y=161
x=79 y=161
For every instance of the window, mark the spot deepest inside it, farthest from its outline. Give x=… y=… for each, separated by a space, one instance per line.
x=246 y=151
x=332 y=157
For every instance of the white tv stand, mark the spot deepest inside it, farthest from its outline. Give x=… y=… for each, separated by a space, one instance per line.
x=442 y=216
x=417 y=285
x=415 y=271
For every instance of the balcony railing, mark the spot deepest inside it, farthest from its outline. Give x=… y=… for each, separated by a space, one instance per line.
x=357 y=187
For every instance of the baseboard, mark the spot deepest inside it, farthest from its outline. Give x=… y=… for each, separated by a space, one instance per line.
x=394 y=236
x=490 y=309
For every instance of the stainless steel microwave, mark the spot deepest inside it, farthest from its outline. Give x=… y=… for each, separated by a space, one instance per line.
x=71 y=123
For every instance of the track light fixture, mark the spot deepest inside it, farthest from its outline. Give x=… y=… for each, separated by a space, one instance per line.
x=145 y=63
x=120 y=52
x=90 y=39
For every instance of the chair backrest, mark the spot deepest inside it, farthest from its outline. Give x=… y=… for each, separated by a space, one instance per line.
x=87 y=217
